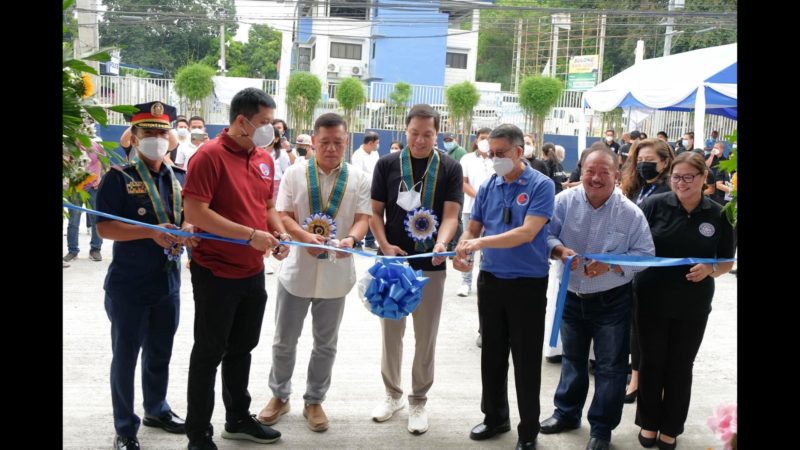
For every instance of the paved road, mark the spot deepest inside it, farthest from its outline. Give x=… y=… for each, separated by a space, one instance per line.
x=454 y=400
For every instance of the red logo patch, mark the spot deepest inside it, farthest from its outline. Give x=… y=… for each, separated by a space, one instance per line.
x=522 y=199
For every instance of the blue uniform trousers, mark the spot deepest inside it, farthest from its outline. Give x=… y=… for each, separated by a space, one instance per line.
x=148 y=324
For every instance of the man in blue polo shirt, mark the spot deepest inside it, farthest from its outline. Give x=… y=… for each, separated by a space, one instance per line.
x=512 y=208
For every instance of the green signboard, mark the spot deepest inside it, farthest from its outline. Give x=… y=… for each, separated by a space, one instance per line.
x=581 y=81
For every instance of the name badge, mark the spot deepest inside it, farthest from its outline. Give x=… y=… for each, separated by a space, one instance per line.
x=136 y=187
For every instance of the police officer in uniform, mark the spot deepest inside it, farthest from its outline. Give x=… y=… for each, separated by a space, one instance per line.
x=143 y=280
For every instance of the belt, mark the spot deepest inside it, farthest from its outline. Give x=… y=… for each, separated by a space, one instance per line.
x=597 y=294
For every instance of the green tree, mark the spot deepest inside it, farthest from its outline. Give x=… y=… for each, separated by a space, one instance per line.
x=194 y=83
x=350 y=95
x=461 y=98
x=258 y=58
x=399 y=98
x=171 y=34
x=537 y=96
x=302 y=95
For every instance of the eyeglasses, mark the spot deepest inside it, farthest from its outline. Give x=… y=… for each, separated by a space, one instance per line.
x=502 y=153
x=686 y=178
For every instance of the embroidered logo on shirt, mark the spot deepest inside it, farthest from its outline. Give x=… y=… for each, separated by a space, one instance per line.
x=264 y=170
x=141 y=211
x=136 y=187
x=522 y=199
x=706 y=229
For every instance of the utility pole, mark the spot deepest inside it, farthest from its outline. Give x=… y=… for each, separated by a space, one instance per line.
x=222 y=41
x=602 y=41
x=517 y=59
x=88 y=37
x=673 y=5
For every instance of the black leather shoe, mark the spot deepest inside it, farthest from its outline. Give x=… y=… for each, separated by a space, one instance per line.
x=552 y=425
x=530 y=445
x=170 y=423
x=661 y=445
x=647 y=442
x=630 y=398
x=597 y=444
x=553 y=359
x=125 y=443
x=482 y=431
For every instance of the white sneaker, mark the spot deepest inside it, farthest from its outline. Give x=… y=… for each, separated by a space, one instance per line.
x=268 y=268
x=386 y=409
x=464 y=290
x=417 y=419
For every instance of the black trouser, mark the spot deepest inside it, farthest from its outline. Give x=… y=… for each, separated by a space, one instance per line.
x=512 y=315
x=635 y=350
x=668 y=347
x=227 y=324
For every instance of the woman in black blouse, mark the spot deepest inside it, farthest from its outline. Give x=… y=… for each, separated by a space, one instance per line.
x=674 y=302
x=649 y=176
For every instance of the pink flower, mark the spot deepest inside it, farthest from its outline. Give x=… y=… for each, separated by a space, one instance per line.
x=724 y=423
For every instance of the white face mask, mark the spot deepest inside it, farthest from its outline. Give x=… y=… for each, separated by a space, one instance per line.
x=394 y=150
x=262 y=136
x=502 y=166
x=528 y=150
x=153 y=148
x=609 y=139
x=408 y=200
x=483 y=146
x=183 y=132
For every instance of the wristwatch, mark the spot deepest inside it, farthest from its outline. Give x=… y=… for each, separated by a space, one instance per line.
x=714 y=267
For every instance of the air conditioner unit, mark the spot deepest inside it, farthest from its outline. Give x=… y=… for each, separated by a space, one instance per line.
x=356 y=70
x=333 y=68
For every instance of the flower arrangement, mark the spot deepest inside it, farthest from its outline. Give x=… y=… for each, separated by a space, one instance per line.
x=730 y=166
x=724 y=424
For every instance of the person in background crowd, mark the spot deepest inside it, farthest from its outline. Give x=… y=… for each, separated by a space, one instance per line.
x=554 y=167
x=533 y=157
x=365 y=159
x=674 y=302
x=304 y=148
x=281 y=127
x=454 y=150
x=610 y=142
x=395 y=147
x=624 y=151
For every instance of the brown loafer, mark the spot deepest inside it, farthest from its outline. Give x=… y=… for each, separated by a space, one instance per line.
x=317 y=420
x=273 y=411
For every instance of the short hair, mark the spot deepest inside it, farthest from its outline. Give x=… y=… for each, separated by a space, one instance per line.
x=248 y=101
x=280 y=121
x=662 y=133
x=694 y=159
x=197 y=118
x=371 y=136
x=690 y=133
x=181 y=119
x=424 y=111
x=510 y=132
x=611 y=130
x=399 y=144
x=487 y=130
x=329 y=120
x=604 y=150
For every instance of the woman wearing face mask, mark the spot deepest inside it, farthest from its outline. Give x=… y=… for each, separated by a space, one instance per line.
x=395 y=147
x=554 y=167
x=282 y=161
x=648 y=177
x=529 y=153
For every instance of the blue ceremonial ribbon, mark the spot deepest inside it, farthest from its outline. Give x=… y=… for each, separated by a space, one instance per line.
x=244 y=242
x=620 y=260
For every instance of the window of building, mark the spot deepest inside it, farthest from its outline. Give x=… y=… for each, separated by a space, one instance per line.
x=351 y=9
x=304 y=59
x=456 y=60
x=345 y=51
x=305 y=8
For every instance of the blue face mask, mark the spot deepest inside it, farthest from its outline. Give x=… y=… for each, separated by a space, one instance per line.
x=450 y=145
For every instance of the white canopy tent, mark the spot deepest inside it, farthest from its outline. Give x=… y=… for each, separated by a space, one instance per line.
x=701 y=80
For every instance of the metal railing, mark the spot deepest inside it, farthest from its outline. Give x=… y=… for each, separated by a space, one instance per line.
x=494 y=108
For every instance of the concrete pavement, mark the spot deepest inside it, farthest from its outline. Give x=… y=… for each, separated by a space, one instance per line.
x=454 y=399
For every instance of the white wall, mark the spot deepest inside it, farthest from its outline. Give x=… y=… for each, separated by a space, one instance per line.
x=461 y=42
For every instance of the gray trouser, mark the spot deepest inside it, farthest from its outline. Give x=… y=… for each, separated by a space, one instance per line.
x=290 y=313
x=426 y=327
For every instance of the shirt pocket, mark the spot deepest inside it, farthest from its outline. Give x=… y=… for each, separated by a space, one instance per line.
x=616 y=242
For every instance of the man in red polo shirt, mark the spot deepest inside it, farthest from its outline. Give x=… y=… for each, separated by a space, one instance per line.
x=230 y=194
